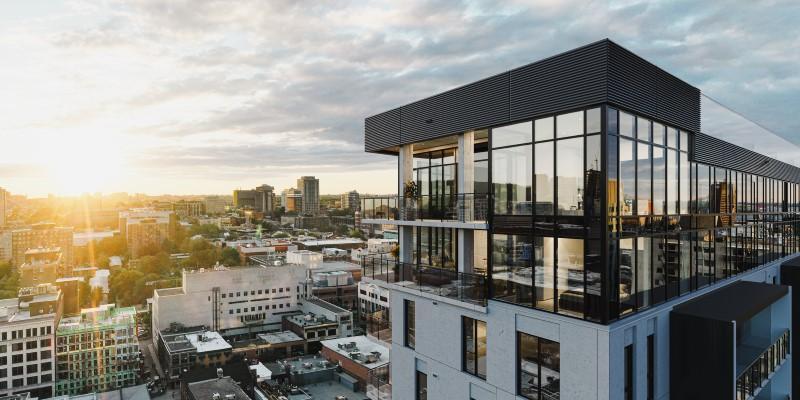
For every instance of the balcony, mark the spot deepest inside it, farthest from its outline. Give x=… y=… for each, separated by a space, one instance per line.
x=463 y=207
x=757 y=374
x=460 y=286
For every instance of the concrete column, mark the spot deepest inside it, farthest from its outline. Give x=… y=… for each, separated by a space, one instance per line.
x=405 y=173
x=465 y=158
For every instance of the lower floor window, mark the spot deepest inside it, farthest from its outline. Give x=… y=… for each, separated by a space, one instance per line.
x=538 y=369
x=422 y=386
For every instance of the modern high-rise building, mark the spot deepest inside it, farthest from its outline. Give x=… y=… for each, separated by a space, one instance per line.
x=143 y=228
x=629 y=251
x=41 y=235
x=27 y=329
x=292 y=200
x=97 y=351
x=351 y=200
x=261 y=199
x=309 y=186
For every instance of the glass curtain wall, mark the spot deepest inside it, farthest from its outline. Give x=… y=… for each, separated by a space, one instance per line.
x=547 y=177
x=435 y=175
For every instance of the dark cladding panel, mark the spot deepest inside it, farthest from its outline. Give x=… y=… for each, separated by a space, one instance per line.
x=717 y=152
x=701 y=362
x=382 y=130
x=640 y=86
x=477 y=105
x=790 y=276
x=570 y=80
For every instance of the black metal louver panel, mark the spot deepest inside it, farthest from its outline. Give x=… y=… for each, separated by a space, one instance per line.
x=570 y=80
x=382 y=130
x=476 y=105
x=638 y=85
x=712 y=151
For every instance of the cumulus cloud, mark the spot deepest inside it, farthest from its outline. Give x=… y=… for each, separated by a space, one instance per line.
x=233 y=93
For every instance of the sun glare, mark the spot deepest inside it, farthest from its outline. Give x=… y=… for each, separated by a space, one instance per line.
x=86 y=163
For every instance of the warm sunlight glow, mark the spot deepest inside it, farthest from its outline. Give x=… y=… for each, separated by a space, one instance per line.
x=86 y=163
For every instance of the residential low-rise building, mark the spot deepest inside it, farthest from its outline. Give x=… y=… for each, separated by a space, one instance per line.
x=184 y=348
x=42 y=265
x=319 y=320
x=97 y=351
x=41 y=235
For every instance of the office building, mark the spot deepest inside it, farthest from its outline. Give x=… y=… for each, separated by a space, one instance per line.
x=27 y=328
x=632 y=252
x=182 y=208
x=236 y=302
x=351 y=201
x=216 y=204
x=3 y=206
x=41 y=235
x=97 y=351
x=146 y=229
x=309 y=187
x=260 y=199
x=292 y=200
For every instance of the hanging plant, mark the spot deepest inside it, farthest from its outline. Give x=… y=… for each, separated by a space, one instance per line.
x=411 y=190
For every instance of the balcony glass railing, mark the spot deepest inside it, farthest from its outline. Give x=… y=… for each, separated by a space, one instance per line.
x=461 y=286
x=758 y=372
x=463 y=207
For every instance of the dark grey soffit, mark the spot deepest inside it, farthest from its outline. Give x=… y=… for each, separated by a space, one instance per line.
x=601 y=72
x=719 y=153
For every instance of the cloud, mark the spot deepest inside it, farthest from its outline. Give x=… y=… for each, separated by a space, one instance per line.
x=223 y=90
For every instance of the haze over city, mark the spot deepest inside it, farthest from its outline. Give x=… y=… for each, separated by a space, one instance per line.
x=188 y=97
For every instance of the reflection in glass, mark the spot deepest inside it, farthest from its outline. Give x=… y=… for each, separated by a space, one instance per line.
x=569 y=124
x=593 y=178
x=474 y=346
x=672 y=137
x=511 y=180
x=543 y=170
x=550 y=362
x=511 y=135
x=643 y=129
x=529 y=366
x=627 y=302
x=684 y=183
x=659 y=183
x=672 y=182
x=593 y=120
x=658 y=133
x=512 y=257
x=543 y=129
x=644 y=203
x=569 y=176
x=570 y=277
x=611 y=121
x=627 y=183
x=544 y=268
x=644 y=275
x=626 y=123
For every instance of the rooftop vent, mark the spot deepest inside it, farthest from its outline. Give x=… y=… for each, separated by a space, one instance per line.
x=219 y=373
x=216 y=396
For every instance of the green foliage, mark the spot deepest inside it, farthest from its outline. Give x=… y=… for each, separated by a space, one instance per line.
x=157 y=264
x=9 y=281
x=229 y=257
x=355 y=233
x=280 y=235
x=207 y=230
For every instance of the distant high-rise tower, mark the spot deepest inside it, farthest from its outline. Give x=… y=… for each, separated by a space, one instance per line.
x=351 y=200
x=262 y=198
x=309 y=185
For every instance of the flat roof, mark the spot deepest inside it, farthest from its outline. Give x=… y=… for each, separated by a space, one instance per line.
x=208 y=341
x=280 y=337
x=205 y=390
x=328 y=306
x=359 y=344
x=330 y=242
x=738 y=301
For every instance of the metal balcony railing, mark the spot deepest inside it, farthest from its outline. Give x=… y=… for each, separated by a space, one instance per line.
x=758 y=372
x=461 y=286
x=462 y=207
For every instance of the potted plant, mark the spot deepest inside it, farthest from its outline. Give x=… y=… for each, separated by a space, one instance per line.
x=410 y=195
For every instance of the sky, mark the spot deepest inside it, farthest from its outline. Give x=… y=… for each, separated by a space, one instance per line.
x=203 y=97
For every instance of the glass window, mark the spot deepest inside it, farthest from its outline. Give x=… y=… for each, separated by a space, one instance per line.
x=672 y=137
x=543 y=173
x=593 y=120
x=612 y=167
x=569 y=176
x=511 y=135
x=702 y=189
x=474 y=346
x=628 y=388
x=658 y=133
x=611 y=121
x=626 y=124
x=643 y=129
x=659 y=268
x=544 y=268
x=684 y=141
x=410 y=323
x=511 y=180
x=672 y=182
x=538 y=372
x=627 y=301
x=593 y=177
x=544 y=129
x=569 y=124
x=627 y=170
x=643 y=271
x=684 y=183
x=512 y=257
x=644 y=203
x=570 y=277
x=659 y=181
x=422 y=386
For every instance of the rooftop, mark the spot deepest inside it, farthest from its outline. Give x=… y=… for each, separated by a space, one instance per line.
x=738 y=301
x=309 y=319
x=208 y=342
x=280 y=337
x=328 y=306
x=331 y=242
x=360 y=349
x=226 y=388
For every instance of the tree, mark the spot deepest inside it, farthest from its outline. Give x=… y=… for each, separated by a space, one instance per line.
x=229 y=257
x=9 y=281
x=206 y=230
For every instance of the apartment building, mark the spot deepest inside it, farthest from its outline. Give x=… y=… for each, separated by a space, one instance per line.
x=292 y=200
x=144 y=228
x=97 y=351
x=309 y=187
x=351 y=200
x=570 y=229
x=261 y=199
x=232 y=301
x=27 y=329
x=42 y=265
x=41 y=235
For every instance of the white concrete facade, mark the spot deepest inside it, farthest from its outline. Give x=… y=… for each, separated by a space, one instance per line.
x=591 y=355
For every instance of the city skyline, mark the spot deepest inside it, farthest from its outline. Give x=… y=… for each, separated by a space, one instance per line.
x=186 y=99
